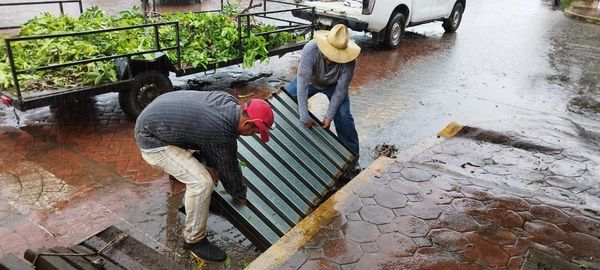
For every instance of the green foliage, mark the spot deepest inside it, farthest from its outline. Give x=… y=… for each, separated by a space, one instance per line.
x=231 y=9
x=564 y=4
x=52 y=51
x=205 y=38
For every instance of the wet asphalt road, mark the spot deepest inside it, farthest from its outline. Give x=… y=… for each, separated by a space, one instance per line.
x=509 y=60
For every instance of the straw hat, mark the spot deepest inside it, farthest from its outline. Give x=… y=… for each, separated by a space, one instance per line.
x=336 y=45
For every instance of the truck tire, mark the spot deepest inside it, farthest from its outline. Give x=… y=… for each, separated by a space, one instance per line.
x=394 y=31
x=451 y=24
x=146 y=87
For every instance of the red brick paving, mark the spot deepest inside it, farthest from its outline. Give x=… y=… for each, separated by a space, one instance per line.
x=416 y=215
x=65 y=164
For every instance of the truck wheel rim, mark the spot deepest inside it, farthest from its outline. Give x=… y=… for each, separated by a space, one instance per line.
x=396 y=33
x=456 y=18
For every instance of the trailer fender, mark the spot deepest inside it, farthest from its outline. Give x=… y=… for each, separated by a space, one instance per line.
x=129 y=68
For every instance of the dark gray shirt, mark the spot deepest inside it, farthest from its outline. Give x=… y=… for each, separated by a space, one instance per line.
x=195 y=120
x=313 y=70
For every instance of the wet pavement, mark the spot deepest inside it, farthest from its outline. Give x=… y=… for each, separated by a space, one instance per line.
x=514 y=67
x=468 y=202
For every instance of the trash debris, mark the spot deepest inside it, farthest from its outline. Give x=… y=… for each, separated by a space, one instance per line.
x=387 y=150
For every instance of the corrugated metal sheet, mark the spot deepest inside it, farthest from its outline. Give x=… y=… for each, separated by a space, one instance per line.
x=287 y=178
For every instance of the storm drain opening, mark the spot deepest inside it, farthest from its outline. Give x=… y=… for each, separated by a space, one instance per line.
x=538 y=260
x=287 y=178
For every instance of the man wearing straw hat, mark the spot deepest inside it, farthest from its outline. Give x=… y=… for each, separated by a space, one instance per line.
x=327 y=66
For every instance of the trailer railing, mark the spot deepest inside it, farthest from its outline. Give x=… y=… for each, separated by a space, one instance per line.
x=15 y=97
x=244 y=19
x=16 y=72
x=60 y=4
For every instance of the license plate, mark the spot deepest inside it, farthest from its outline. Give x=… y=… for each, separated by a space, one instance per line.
x=325 y=21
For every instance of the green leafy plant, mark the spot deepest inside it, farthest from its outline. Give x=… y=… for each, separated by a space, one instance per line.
x=205 y=38
x=564 y=4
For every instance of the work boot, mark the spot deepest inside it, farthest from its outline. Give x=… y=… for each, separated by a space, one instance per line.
x=352 y=171
x=205 y=250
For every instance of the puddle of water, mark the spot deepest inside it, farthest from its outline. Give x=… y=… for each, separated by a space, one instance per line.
x=500 y=138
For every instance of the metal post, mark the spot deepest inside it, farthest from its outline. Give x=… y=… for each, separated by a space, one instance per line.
x=129 y=68
x=239 y=24
x=178 y=45
x=13 y=70
x=80 y=7
x=265 y=5
x=312 y=22
x=156 y=39
x=62 y=10
x=248 y=25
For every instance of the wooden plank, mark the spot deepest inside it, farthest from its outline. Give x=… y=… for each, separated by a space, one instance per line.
x=114 y=254
x=11 y=262
x=47 y=262
x=77 y=261
x=147 y=256
x=108 y=264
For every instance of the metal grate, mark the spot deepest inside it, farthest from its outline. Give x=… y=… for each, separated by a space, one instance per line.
x=287 y=178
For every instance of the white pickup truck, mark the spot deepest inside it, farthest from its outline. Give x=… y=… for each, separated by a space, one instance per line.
x=385 y=19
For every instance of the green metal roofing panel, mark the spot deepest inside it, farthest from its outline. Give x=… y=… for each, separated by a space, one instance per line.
x=287 y=177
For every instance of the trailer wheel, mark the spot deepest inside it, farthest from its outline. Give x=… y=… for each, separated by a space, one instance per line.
x=394 y=31
x=146 y=87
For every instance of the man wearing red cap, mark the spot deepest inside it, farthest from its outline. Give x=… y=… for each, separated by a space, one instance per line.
x=179 y=125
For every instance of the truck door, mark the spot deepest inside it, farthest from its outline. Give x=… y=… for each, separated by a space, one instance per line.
x=441 y=8
x=421 y=10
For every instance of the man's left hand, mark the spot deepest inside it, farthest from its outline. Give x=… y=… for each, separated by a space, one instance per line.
x=326 y=123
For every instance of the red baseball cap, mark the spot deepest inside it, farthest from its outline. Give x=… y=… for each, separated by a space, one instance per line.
x=260 y=112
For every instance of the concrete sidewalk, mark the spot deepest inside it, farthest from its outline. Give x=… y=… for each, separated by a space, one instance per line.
x=477 y=201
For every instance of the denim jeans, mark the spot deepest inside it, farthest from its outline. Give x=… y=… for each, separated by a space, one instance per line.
x=180 y=163
x=343 y=119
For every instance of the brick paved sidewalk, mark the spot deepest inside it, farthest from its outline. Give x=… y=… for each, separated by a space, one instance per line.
x=458 y=203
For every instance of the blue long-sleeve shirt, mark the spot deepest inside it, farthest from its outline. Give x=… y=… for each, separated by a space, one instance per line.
x=313 y=70
x=195 y=120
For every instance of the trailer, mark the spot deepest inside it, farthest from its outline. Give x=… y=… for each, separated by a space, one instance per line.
x=139 y=81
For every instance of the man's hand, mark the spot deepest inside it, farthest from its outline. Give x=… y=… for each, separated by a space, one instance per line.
x=214 y=174
x=310 y=124
x=326 y=123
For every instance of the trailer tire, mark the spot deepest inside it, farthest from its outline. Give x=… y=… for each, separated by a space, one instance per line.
x=394 y=31
x=146 y=87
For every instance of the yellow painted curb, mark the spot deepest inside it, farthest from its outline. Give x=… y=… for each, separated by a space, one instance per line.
x=589 y=19
x=451 y=130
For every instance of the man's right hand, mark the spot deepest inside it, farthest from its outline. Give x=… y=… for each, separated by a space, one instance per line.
x=214 y=175
x=310 y=124
x=242 y=200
